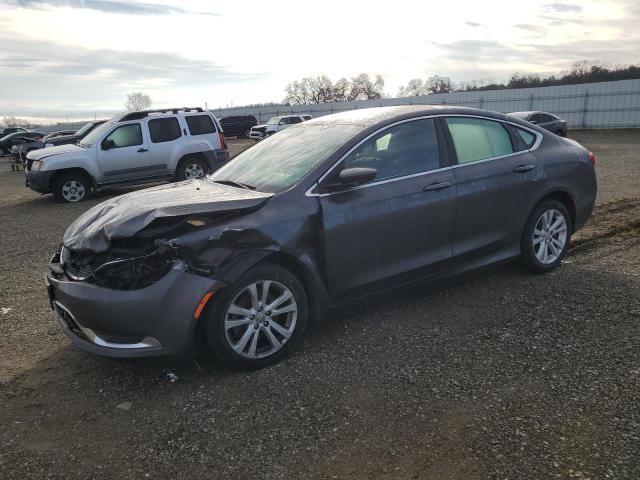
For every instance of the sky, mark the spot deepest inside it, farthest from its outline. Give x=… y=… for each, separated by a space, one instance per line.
x=78 y=59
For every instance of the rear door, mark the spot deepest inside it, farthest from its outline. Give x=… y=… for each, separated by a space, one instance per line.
x=124 y=154
x=400 y=222
x=165 y=142
x=496 y=177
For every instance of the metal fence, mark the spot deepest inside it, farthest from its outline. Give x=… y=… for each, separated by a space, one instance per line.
x=589 y=105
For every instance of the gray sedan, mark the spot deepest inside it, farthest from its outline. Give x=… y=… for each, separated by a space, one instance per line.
x=545 y=120
x=324 y=212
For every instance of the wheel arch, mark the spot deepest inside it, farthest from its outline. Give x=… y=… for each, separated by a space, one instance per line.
x=64 y=171
x=564 y=197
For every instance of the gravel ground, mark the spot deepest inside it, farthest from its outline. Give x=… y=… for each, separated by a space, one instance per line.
x=496 y=374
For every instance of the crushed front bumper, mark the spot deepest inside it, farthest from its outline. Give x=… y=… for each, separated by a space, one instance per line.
x=152 y=321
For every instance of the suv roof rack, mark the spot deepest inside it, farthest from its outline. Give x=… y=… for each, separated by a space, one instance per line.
x=145 y=113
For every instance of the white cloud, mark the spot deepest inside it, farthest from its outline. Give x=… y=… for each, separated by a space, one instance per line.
x=72 y=56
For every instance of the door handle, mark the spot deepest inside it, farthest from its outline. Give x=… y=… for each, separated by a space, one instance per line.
x=523 y=168
x=434 y=187
x=142 y=150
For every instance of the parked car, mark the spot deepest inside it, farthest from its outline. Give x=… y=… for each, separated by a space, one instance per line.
x=131 y=148
x=59 y=133
x=276 y=124
x=548 y=121
x=238 y=125
x=8 y=130
x=57 y=138
x=17 y=138
x=82 y=132
x=333 y=209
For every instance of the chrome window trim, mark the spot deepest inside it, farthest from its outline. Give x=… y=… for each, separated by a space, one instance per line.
x=536 y=144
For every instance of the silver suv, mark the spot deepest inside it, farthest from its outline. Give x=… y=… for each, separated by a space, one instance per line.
x=131 y=148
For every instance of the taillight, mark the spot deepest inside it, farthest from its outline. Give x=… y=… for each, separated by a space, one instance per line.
x=223 y=144
x=592 y=158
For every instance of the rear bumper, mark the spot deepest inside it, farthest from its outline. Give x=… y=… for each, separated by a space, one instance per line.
x=153 y=321
x=39 y=181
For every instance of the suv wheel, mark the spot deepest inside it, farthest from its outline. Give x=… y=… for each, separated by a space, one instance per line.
x=546 y=236
x=192 y=168
x=71 y=187
x=257 y=320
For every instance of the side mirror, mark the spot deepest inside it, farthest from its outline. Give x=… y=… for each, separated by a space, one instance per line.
x=108 y=143
x=350 y=177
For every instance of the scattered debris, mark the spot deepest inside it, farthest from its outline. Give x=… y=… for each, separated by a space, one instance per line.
x=126 y=406
x=172 y=377
x=5 y=310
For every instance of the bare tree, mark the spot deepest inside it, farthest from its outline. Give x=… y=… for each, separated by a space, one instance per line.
x=14 y=121
x=138 y=101
x=438 y=84
x=415 y=88
x=320 y=89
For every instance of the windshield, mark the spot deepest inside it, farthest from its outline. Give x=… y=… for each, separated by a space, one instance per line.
x=84 y=129
x=92 y=138
x=273 y=121
x=282 y=160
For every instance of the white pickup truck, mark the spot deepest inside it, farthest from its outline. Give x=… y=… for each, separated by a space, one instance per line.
x=131 y=148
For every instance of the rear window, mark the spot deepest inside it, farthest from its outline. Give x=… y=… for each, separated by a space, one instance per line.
x=200 y=124
x=164 y=129
x=477 y=139
x=527 y=137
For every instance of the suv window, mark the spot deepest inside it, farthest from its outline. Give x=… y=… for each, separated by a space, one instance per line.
x=477 y=139
x=405 y=149
x=164 y=129
x=294 y=120
x=126 y=136
x=200 y=124
x=284 y=121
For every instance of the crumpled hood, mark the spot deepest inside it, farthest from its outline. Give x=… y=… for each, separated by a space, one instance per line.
x=264 y=125
x=126 y=215
x=48 y=152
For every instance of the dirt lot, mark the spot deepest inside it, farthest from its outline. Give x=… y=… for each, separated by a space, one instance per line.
x=497 y=374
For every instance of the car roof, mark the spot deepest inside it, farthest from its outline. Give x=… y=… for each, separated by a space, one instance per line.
x=372 y=116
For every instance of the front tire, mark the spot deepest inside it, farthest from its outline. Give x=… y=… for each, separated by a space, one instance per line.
x=546 y=236
x=256 y=321
x=71 y=188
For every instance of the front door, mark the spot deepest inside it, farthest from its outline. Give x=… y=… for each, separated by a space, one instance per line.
x=400 y=222
x=124 y=154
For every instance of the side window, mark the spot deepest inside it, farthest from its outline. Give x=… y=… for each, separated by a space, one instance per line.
x=535 y=118
x=294 y=120
x=164 y=129
x=200 y=124
x=527 y=137
x=405 y=149
x=126 y=136
x=477 y=139
x=546 y=118
x=284 y=121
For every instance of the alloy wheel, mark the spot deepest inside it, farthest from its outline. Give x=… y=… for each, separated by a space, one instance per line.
x=193 y=170
x=549 y=236
x=73 y=191
x=260 y=319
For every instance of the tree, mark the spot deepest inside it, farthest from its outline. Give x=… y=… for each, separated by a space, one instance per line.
x=14 y=121
x=320 y=89
x=138 y=101
x=415 y=88
x=438 y=84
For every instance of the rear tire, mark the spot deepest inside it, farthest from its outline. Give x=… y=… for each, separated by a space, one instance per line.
x=546 y=236
x=71 y=187
x=247 y=328
x=193 y=167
